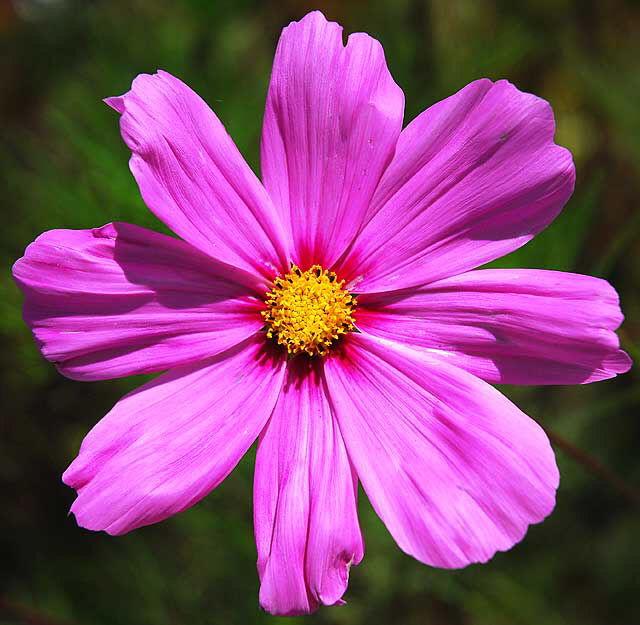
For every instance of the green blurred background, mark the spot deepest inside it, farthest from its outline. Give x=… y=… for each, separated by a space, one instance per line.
x=63 y=165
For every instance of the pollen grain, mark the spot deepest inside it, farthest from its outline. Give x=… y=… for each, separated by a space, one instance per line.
x=308 y=310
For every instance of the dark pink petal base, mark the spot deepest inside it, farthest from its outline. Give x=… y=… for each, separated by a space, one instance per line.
x=168 y=444
x=473 y=177
x=121 y=300
x=305 y=494
x=508 y=326
x=451 y=466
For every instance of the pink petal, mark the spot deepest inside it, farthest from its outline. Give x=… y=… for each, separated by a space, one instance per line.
x=473 y=178
x=305 y=500
x=169 y=443
x=120 y=300
x=452 y=467
x=509 y=326
x=332 y=119
x=192 y=176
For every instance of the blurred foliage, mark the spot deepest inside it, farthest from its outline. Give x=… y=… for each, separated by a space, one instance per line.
x=63 y=165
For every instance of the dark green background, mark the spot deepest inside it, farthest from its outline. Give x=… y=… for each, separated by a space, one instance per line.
x=63 y=165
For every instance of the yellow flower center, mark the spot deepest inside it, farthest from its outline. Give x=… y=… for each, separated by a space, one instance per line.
x=308 y=310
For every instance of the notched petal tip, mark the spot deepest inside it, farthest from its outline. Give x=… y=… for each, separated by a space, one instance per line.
x=508 y=326
x=474 y=177
x=192 y=176
x=305 y=503
x=167 y=445
x=116 y=103
x=463 y=472
x=119 y=300
x=312 y=19
x=616 y=364
x=332 y=120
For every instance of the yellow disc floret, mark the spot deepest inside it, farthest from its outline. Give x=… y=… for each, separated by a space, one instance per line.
x=308 y=310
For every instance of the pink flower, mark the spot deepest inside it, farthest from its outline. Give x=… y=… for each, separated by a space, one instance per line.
x=365 y=238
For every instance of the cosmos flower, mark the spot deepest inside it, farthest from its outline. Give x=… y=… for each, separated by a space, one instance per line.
x=332 y=311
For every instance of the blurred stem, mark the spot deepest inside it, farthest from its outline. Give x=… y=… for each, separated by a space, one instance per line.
x=594 y=466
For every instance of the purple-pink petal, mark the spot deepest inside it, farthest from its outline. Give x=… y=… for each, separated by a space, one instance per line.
x=332 y=120
x=121 y=300
x=452 y=467
x=473 y=177
x=305 y=494
x=192 y=176
x=509 y=326
x=169 y=443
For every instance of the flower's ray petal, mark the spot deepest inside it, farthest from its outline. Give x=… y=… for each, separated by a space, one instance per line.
x=473 y=178
x=508 y=326
x=169 y=443
x=332 y=120
x=120 y=300
x=305 y=494
x=192 y=176
x=451 y=466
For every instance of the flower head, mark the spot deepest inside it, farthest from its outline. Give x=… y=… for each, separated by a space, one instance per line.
x=333 y=310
